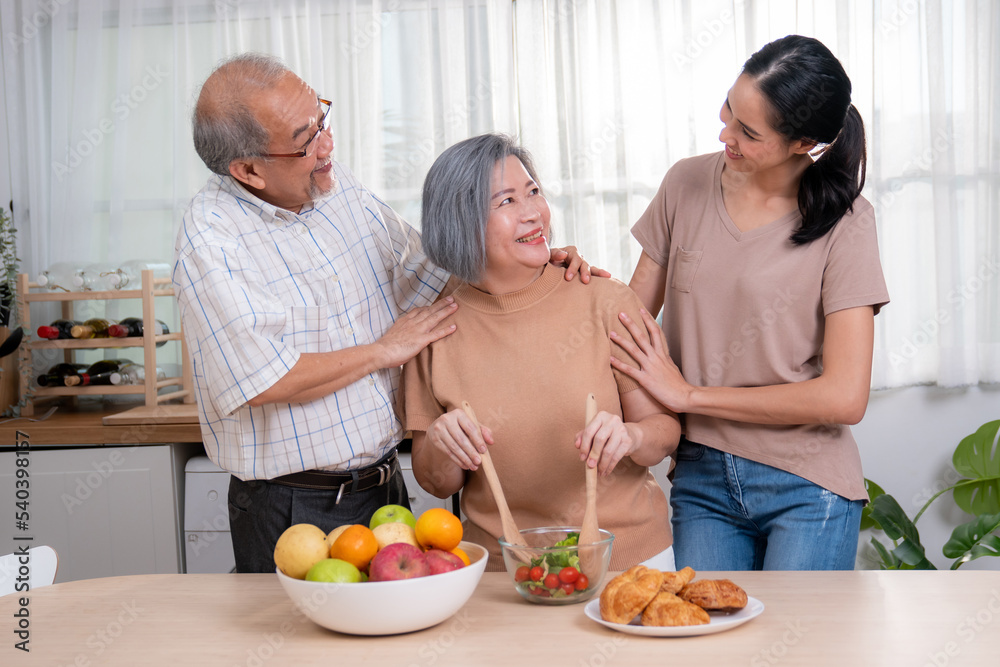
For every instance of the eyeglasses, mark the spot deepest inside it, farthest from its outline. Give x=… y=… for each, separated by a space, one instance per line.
x=324 y=123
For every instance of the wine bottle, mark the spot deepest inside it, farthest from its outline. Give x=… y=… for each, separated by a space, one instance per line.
x=86 y=379
x=58 y=329
x=95 y=278
x=132 y=326
x=57 y=375
x=95 y=327
x=136 y=374
x=59 y=276
x=129 y=274
x=106 y=371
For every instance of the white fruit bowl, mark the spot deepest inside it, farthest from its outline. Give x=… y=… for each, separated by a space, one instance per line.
x=388 y=607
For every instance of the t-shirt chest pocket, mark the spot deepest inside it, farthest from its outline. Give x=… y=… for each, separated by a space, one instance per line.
x=685 y=267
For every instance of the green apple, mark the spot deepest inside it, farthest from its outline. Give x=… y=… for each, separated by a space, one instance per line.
x=392 y=514
x=334 y=570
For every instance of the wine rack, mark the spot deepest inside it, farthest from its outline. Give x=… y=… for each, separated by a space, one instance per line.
x=150 y=389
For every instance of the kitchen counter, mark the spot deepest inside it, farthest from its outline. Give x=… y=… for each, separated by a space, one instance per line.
x=810 y=618
x=84 y=425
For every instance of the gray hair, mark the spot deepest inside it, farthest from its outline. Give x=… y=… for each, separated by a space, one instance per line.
x=224 y=126
x=456 y=202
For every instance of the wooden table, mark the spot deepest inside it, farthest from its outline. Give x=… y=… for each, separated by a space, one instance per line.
x=844 y=618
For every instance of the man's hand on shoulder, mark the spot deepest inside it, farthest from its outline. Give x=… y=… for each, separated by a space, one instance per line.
x=571 y=259
x=414 y=331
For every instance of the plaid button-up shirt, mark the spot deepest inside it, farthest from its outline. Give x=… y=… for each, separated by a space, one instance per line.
x=259 y=285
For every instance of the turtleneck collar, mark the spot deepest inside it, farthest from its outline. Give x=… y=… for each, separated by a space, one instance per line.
x=544 y=285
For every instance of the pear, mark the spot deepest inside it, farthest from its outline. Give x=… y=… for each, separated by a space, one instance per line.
x=390 y=533
x=299 y=548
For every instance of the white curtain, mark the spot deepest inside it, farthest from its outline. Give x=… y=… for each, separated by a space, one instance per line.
x=607 y=94
x=613 y=93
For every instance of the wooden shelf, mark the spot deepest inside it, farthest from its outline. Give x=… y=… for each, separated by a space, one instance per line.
x=150 y=288
x=93 y=343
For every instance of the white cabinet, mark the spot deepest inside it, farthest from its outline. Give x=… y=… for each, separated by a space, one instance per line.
x=105 y=510
x=208 y=544
x=420 y=500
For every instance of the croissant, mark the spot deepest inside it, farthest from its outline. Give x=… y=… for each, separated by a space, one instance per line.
x=715 y=595
x=627 y=595
x=673 y=582
x=667 y=609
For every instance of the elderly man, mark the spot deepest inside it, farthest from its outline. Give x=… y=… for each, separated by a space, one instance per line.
x=301 y=295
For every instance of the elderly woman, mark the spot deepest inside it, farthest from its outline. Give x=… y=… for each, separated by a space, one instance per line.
x=528 y=348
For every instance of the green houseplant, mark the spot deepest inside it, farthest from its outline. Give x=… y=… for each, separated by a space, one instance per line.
x=9 y=338
x=11 y=267
x=977 y=462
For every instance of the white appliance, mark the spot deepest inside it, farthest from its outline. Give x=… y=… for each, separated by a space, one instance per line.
x=207 y=543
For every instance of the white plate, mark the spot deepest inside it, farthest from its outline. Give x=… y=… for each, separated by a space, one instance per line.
x=718 y=622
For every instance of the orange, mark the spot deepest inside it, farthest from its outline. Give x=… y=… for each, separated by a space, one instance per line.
x=461 y=554
x=437 y=528
x=357 y=545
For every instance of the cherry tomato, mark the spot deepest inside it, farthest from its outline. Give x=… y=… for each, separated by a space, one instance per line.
x=542 y=593
x=569 y=575
x=568 y=588
x=582 y=582
x=536 y=573
x=552 y=581
x=522 y=574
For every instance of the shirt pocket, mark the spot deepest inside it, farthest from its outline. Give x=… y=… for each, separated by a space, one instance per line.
x=685 y=267
x=307 y=328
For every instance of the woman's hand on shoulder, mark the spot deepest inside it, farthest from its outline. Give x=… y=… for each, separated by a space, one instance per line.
x=657 y=372
x=455 y=435
x=605 y=441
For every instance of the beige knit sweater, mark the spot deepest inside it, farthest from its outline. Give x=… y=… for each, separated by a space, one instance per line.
x=526 y=361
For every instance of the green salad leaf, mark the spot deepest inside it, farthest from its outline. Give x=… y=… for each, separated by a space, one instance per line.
x=556 y=560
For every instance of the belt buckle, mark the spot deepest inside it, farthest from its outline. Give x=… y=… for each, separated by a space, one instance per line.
x=384 y=472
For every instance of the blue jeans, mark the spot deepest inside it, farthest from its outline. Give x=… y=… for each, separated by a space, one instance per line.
x=260 y=511
x=730 y=513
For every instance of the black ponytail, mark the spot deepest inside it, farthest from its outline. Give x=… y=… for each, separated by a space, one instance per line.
x=830 y=185
x=810 y=98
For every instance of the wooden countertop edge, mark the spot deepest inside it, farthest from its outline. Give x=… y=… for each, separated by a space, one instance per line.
x=69 y=427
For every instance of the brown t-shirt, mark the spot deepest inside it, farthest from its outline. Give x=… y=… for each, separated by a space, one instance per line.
x=745 y=309
x=526 y=361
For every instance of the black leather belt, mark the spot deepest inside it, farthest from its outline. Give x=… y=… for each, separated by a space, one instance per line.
x=351 y=481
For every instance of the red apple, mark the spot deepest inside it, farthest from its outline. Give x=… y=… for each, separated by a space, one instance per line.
x=398 y=560
x=442 y=561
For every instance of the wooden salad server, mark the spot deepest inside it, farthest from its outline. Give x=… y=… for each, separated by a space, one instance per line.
x=510 y=532
x=589 y=532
